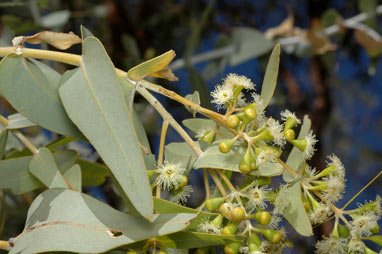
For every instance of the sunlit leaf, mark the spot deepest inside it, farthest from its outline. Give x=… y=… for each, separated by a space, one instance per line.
x=94 y=101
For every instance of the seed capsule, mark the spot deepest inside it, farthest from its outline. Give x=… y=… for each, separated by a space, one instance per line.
x=263 y=218
x=273 y=236
x=208 y=137
x=230 y=229
x=232 y=248
x=225 y=209
x=233 y=121
x=289 y=135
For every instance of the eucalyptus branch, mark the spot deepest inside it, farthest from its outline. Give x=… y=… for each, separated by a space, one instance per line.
x=26 y=142
x=166 y=116
x=218 y=184
x=161 y=151
x=206 y=184
x=4 y=245
x=3 y=121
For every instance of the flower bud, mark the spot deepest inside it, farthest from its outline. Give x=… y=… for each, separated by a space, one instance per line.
x=161 y=251
x=233 y=121
x=289 y=244
x=289 y=135
x=263 y=218
x=232 y=248
x=249 y=114
x=230 y=229
x=237 y=214
x=225 y=209
x=254 y=242
x=208 y=137
x=375 y=230
x=273 y=236
x=183 y=182
x=213 y=203
x=225 y=146
x=217 y=221
x=245 y=164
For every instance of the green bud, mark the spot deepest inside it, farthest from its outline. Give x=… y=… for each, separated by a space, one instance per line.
x=290 y=123
x=230 y=229
x=233 y=121
x=213 y=203
x=375 y=230
x=273 y=236
x=254 y=242
x=217 y=221
x=231 y=248
x=225 y=146
x=161 y=251
x=249 y=114
x=265 y=135
x=183 y=182
x=245 y=164
x=237 y=214
x=325 y=172
x=208 y=137
x=300 y=143
x=289 y=244
x=263 y=218
x=289 y=135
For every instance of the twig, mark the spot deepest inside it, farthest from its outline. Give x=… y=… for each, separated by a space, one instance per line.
x=206 y=184
x=218 y=184
x=161 y=150
x=4 y=245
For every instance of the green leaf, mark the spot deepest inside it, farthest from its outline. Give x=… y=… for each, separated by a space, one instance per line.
x=180 y=152
x=213 y=158
x=65 y=220
x=18 y=121
x=189 y=240
x=270 y=76
x=36 y=96
x=3 y=141
x=197 y=125
x=295 y=212
x=94 y=101
x=195 y=98
x=73 y=176
x=249 y=43
x=93 y=174
x=44 y=168
x=15 y=175
x=296 y=156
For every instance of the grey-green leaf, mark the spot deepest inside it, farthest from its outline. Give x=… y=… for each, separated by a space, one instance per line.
x=295 y=212
x=32 y=89
x=65 y=220
x=270 y=77
x=296 y=158
x=197 y=125
x=93 y=174
x=94 y=101
x=15 y=175
x=213 y=158
x=73 y=176
x=18 y=121
x=44 y=168
x=249 y=43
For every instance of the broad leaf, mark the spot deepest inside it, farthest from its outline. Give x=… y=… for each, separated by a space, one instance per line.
x=94 y=101
x=270 y=76
x=15 y=175
x=36 y=96
x=45 y=169
x=296 y=158
x=18 y=121
x=73 y=176
x=295 y=212
x=213 y=158
x=249 y=43
x=180 y=152
x=65 y=220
